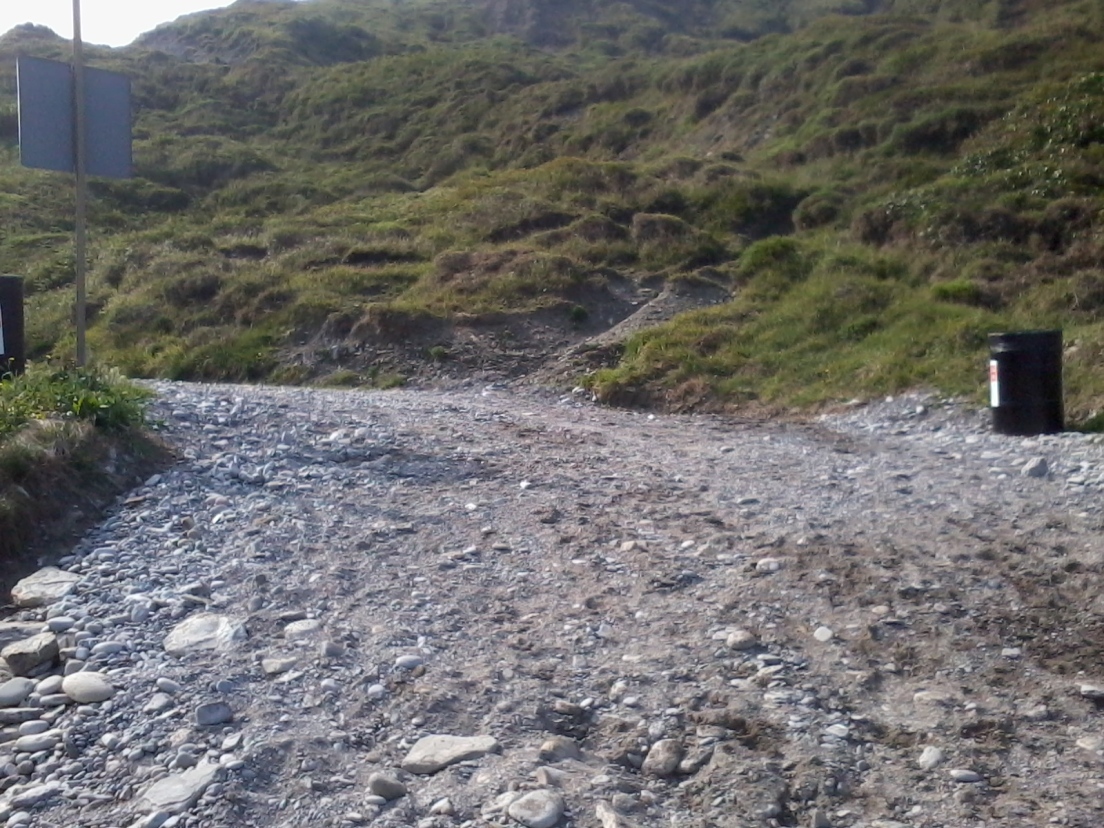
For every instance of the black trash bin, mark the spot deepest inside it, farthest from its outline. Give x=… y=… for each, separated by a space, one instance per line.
x=13 y=357
x=1025 y=382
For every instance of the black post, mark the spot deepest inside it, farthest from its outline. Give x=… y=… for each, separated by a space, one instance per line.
x=13 y=355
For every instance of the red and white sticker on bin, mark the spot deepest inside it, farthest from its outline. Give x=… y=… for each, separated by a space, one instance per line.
x=994 y=384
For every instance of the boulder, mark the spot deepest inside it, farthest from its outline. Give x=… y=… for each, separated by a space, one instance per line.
x=44 y=587
x=25 y=657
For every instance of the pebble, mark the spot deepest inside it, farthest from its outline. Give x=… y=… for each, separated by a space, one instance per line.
x=964 y=775
x=386 y=785
x=741 y=640
x=213 y=713
x=823 y=634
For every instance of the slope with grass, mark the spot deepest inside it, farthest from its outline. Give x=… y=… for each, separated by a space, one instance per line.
x=70 y=442
x=361 y=192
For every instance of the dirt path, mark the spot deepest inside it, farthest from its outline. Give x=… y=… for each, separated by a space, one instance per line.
x=880 y=621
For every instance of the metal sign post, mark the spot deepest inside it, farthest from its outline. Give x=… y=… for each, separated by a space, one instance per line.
x=79 y=146
x=76 y=119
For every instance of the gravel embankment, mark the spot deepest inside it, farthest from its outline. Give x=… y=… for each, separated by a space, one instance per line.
x=888 y=618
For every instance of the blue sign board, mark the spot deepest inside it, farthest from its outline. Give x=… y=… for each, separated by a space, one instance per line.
x=47 y=119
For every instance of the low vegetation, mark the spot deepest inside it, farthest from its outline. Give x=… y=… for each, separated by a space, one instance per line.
x=877 y=185
x=69 y=440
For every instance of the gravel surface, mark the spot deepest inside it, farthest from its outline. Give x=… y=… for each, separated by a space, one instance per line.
x=501 y=607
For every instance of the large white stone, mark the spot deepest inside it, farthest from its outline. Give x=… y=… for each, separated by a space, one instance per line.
x=87 y=687
x=44 y=587
x=432 y=753
x=203 y=631
x=178 y=793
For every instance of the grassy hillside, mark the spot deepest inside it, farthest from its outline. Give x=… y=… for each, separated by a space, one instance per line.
x=339 y=191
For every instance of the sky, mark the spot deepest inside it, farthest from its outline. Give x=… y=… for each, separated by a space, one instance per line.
x=106 y=22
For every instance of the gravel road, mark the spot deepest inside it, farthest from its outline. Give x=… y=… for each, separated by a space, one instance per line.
x=503 y=607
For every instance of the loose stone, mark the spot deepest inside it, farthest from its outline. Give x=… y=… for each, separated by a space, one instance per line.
x=823 y=634
x=432 y=753
x=87 y=687
x=36 y=742
x=15 y=691
x=930 y=757
x=44 y=587
x=538 y=809
x=965 y=775
x=558 y=748
x=741 y=640
x=213 y=713
x=386 y=785
x=302 y=630
x=663 y=758
x=25 y=657
x=177 y=793
x=203 y=632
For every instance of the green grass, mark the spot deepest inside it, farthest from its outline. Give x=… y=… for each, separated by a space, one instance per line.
x=103 y=399
x=878 y=183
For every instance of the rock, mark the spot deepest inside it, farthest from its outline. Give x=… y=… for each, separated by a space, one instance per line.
x=44 y=587
x=279 y=664
x=408 y=662
x=1092 y=691
x=303 y=630
x=213 y=713
x=741 y=640
x=60 y=623
x=558 y=748
x=386 y=785
x=175 y=794
x=769 y=564
x=15 y=691
x=12 y=631
x=823 y=634
x=930 y=757
x=167 y=685
x=1035 y=467
x=432 y=753
x=537 y=809
x=663 y=758
x=442 y=807
x=26 y=656
x=820 y=819
x=37 y=741
x=158 y=703
x=32 y=797
x=608 y=816
x=965 y=775
x=202 y=632
x=50 y=685
x=87 y=687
